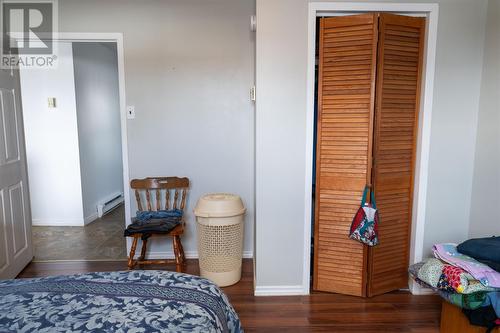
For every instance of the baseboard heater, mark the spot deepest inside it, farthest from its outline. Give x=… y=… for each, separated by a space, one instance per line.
x=109 y=204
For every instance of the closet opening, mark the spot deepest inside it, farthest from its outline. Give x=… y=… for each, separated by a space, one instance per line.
x=368 y=73
x=315 y=128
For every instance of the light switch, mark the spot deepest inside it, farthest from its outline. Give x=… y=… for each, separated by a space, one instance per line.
x=51 y=102
x=130 y=112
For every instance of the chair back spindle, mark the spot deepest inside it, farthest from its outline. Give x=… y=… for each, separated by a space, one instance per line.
x=158 y=199
x=138 y=200
x=152 y=189
x=183 y=200
x=176 y=197
x=148 y=200
x=167 y=200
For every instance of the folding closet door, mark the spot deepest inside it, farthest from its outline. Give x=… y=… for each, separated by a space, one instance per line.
x=346 y=89
x=399 y=64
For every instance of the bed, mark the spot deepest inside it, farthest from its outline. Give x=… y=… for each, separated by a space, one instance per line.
x=129 y=301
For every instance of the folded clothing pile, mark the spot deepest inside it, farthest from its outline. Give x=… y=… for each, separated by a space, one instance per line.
x=485 y=250
x=466 y=275
x=154 y=222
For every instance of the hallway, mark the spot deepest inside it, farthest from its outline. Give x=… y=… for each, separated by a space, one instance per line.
x=100 y=240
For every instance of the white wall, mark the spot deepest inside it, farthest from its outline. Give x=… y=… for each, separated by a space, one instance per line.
x=52 y=143
x=188 y=68
x=281 y=67
x=454 y=120
x=486 y=185
x=99 y=126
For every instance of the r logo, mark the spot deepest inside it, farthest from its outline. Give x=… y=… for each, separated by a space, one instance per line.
x=27 y=27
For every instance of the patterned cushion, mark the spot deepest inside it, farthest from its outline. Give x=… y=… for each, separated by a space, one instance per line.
x=431 y=271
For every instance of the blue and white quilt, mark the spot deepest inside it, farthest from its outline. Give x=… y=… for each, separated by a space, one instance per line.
x=130 y=301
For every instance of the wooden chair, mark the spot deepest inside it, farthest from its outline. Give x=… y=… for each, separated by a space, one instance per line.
x=153 y=194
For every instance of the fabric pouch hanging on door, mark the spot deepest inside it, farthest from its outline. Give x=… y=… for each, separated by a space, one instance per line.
x=364 y=227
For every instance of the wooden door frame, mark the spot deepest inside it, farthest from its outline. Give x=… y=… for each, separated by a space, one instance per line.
x=118 y=39
x=430 y=10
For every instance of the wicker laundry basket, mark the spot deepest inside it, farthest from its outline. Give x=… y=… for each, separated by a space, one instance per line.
x=220 y=228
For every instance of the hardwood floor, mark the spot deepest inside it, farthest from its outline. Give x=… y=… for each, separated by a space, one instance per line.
x=318 y=312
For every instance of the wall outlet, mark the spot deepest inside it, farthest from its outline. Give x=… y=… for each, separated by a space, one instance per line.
x=130 y=112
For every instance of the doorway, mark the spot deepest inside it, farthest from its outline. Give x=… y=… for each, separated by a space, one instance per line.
x=368 y=103
x=423 y=132
x=74 y=133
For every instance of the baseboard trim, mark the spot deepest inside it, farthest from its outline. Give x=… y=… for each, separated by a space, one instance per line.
x=294 y=290
x=188 y=254
x=91 y=218
x=57 y=223
x=416 y=289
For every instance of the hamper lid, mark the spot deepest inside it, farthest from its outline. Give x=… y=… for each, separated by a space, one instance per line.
x=219 y=205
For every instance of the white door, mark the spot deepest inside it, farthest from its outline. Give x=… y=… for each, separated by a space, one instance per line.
x=16 y=249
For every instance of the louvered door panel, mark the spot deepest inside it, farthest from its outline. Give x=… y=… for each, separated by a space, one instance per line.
x=346 y=85
x=399 y=65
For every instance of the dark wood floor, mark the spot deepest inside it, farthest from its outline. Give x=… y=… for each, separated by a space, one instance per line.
x=319 y=312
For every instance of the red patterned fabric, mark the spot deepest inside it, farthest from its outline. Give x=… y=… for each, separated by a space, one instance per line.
x=454 y=276
x=364 y=227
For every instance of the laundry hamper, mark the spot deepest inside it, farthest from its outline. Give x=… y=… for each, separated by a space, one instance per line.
x=219 y=218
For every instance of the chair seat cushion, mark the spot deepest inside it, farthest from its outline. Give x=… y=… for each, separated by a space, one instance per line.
x=153 y=226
